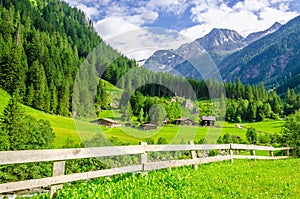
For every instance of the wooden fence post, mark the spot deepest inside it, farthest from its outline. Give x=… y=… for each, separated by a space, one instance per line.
x=271 y=153
x=252 y=152
x=287 y=152
x=144 y=156
x=231 y=153
x=193 y=154
x=57 y=170
x=295 y=152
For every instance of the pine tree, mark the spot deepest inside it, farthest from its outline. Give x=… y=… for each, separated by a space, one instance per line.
x=13 y=124
x=141 y=116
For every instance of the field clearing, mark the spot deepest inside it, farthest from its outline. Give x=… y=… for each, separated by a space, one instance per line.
x=271 y=126
x=242 y=179
x=173 y=133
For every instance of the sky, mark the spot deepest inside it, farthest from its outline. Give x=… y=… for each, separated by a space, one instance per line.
x=141 y=22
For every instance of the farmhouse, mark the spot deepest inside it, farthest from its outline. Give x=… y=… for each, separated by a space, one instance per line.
x=107 y=122
x=184 y=121
x=208 y=120
x=149 y=126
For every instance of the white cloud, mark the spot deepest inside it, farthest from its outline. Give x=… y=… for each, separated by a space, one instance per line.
x=89 y=11
x=143 y=42
x=113 y=26
x=119 y=17
x=245 y=17
x=172 y=6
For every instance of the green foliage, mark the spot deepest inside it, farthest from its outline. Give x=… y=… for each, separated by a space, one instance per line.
x=157 y=114
x=12 y=173
x=141 y=116
x=22 y=131
x=291 y=130
x=103 y=98
x=162 y=140
x=252 y=135
x=42 y=46
x=126 y=112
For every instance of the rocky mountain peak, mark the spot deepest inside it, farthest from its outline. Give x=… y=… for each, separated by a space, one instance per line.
x=220 y=37
x=257 y=35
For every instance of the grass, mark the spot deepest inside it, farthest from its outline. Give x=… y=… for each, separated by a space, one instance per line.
x=111 y=88
x=63 y=127
x=242 y=179
x=173 y=133
x=271 y=126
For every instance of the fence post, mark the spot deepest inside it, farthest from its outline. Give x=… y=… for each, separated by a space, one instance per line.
x=57 y=170
x=144 y=156
x=252 y=152
x=193 y=154
x=271 y=153
x=295 y=152
x=231 y=153
x=287 y=152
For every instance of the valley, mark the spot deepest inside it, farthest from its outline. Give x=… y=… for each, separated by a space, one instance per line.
x=66 y=87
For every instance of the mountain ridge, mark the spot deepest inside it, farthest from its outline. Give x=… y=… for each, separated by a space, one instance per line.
x=272 y=59
x=219 y=43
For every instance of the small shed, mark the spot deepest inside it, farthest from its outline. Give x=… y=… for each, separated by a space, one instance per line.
x=208 y=120
x=107 y=122
x=149 y=126
x=184 y=121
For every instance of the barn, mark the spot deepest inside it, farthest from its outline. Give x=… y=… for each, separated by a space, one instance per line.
x=208 y=120
x=149 y=126
x=107 y=122
x=184 y=121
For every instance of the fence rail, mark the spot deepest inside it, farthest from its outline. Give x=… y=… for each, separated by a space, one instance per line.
x=59 y=156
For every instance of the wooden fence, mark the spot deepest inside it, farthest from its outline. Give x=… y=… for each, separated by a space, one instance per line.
x=59 y=156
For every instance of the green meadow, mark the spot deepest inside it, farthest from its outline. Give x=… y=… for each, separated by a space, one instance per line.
x=242 y=179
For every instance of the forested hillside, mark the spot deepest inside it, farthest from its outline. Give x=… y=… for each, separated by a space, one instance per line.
x=42 y=44
x=274 y=59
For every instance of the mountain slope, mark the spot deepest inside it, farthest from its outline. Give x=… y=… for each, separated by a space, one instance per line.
x=257 y=35
x=219 y=44
x=272 y=59
x=43 y=46
x=221 y=38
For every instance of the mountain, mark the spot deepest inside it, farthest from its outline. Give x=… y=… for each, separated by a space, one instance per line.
x=273 y=59
x=163 y=61
x=221 y=38
x=166 y=60
x=219 y=43
x=257 y=35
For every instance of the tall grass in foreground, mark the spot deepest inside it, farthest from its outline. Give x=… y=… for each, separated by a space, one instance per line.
x=242 y=179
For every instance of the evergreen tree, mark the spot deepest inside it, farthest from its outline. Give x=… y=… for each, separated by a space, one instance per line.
x=291 y=130
x=157 y=114
x=252 y=136
x=126 y=112
x=141 y=116
x=13 y=124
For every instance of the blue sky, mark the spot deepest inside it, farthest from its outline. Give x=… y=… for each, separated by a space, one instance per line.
x=191 y=18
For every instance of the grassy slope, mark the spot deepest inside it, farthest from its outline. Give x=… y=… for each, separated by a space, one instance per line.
x=242 y=179
x=266 y=126
x=63 y=127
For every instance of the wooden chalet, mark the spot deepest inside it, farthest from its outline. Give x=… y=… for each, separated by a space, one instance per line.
x=184 y=121
x=208 y=120
x=107 y=122
x=149 y=126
